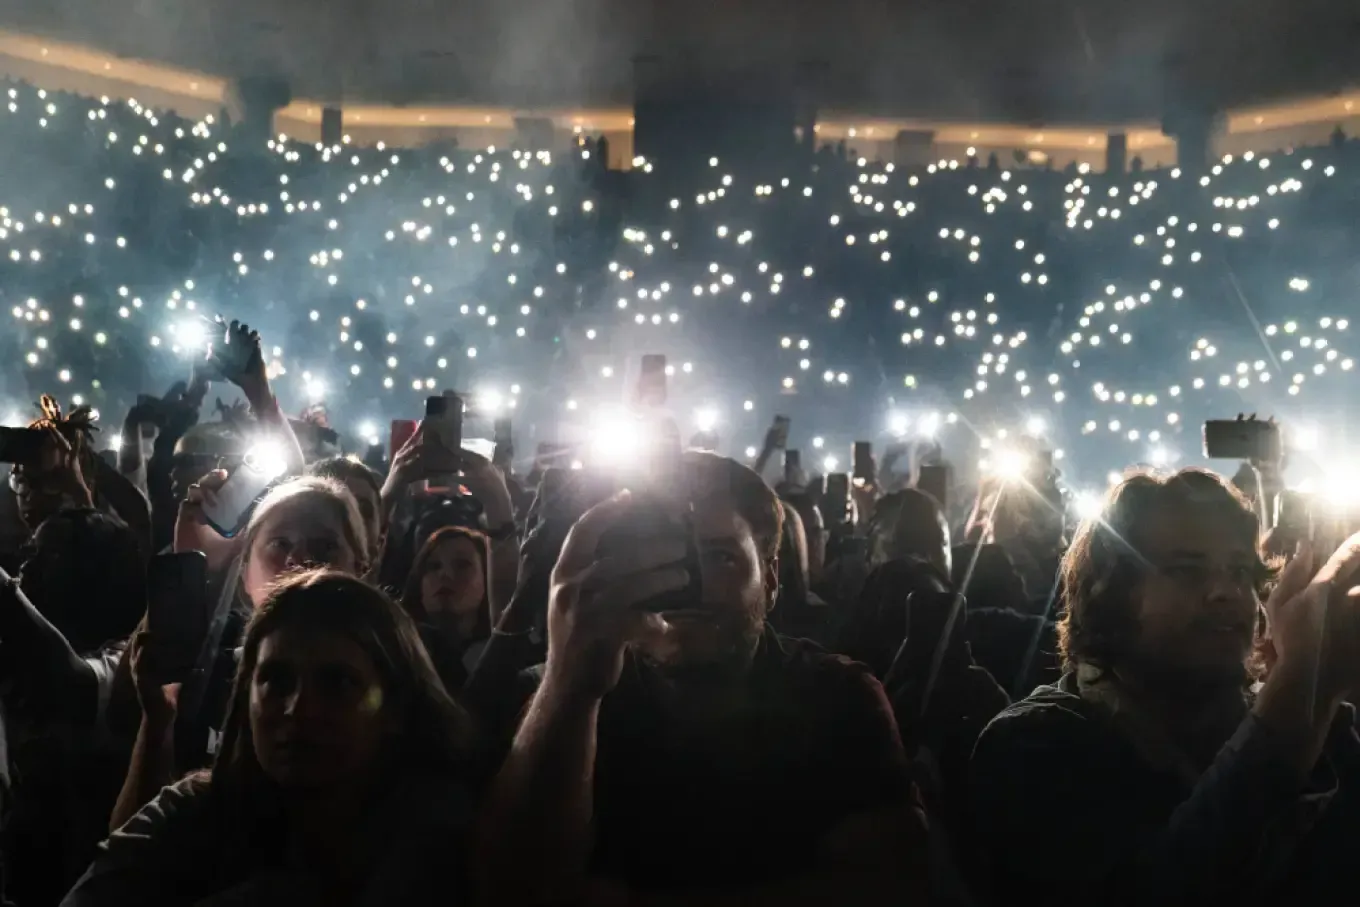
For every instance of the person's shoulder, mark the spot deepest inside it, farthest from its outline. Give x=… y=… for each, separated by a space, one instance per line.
x=1050 y=717
x=802 y=659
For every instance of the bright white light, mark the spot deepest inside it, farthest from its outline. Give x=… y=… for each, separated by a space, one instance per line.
x=1035 y=426
x=829 y=464
x=898 y=424
x=818 y=442
x=191 y=335
x=267 y=459
x=1087 y=505
x=1343 y=485
x=929 y=425
x=616 y=438
x=1304 y=437
x=490 y=401
x=706 y=419
x=316 y=389
x=1011 y=463
x=1159 y=456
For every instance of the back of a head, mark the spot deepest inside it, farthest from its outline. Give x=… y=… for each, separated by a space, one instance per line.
x=433 y=733
x=909 y=523
x=88 y=577
x=1105 y=562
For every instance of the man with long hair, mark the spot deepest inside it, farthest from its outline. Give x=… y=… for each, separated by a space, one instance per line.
x=1155 y=766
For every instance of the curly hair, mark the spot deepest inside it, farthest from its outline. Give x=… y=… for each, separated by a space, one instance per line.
x=1104 y=564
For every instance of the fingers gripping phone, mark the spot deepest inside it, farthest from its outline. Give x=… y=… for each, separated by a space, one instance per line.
x=178 y=611
x=234 y=501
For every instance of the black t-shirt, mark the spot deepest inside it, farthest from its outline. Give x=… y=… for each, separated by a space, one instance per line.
x=749 y=797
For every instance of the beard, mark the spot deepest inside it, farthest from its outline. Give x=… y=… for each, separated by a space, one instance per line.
x=701 y=651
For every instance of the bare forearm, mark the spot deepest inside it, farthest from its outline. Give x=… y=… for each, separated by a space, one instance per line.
x=151 y=768
x=272 y=419
x=539 y=811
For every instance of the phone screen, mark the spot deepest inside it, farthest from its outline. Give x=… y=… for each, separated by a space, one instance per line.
x=781 y=431
x=177 y=612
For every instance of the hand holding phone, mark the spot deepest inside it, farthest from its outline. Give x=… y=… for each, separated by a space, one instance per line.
x=229 y=508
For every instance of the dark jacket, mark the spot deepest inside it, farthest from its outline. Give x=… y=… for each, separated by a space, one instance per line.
x=1067 y=804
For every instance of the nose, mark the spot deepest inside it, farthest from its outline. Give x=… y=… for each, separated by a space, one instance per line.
x=299 y=702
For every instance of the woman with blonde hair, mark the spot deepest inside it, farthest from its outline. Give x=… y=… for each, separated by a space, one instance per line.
x=300 y=523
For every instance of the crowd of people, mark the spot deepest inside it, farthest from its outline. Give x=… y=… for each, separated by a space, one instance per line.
x=239 y=665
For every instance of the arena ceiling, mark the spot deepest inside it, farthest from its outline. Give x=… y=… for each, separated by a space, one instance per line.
x=1041 y=61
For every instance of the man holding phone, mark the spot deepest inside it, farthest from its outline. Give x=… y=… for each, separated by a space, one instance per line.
x=694 y=751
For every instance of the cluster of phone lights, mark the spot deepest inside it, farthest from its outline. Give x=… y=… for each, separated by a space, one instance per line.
x=661 y=284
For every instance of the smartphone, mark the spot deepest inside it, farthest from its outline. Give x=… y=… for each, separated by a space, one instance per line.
x=793 y=466
x=1294 y=514
x=21 y=445
x=651 y=386
x=443 y=428
x=400 y=433
x=653 y=520
x=781 y=431
x=178 y=611
x=1242 y=439
x=934 y=481
x=235 y=500
x=862 y=456
x=502 y=433
x=836 y=499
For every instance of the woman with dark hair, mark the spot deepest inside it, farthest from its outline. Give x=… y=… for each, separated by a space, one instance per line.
x=300 y=523
x=446 y=594
x=342 y=776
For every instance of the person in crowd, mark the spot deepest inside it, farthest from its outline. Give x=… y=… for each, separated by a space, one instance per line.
x=1017 y=646
x=691 y=756
x=909 y=528
x=446 y=595
x=60 y=644
x=910 y=523
x=68 y=474
x=1167 y=780
x=301 y=522
x=343 y=776
x=365 y=486
x=798 y=611
x=486 y=486
x=814 y=532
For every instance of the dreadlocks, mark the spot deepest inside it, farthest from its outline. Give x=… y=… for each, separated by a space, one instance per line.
x=74 y=431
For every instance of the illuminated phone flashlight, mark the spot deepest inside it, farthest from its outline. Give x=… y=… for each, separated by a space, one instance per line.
x=1010 y=463
x=267 y=460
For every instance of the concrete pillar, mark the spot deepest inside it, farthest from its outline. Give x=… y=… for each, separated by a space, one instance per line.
x=1116 y=152
x=256 y=99
x=332 y=126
